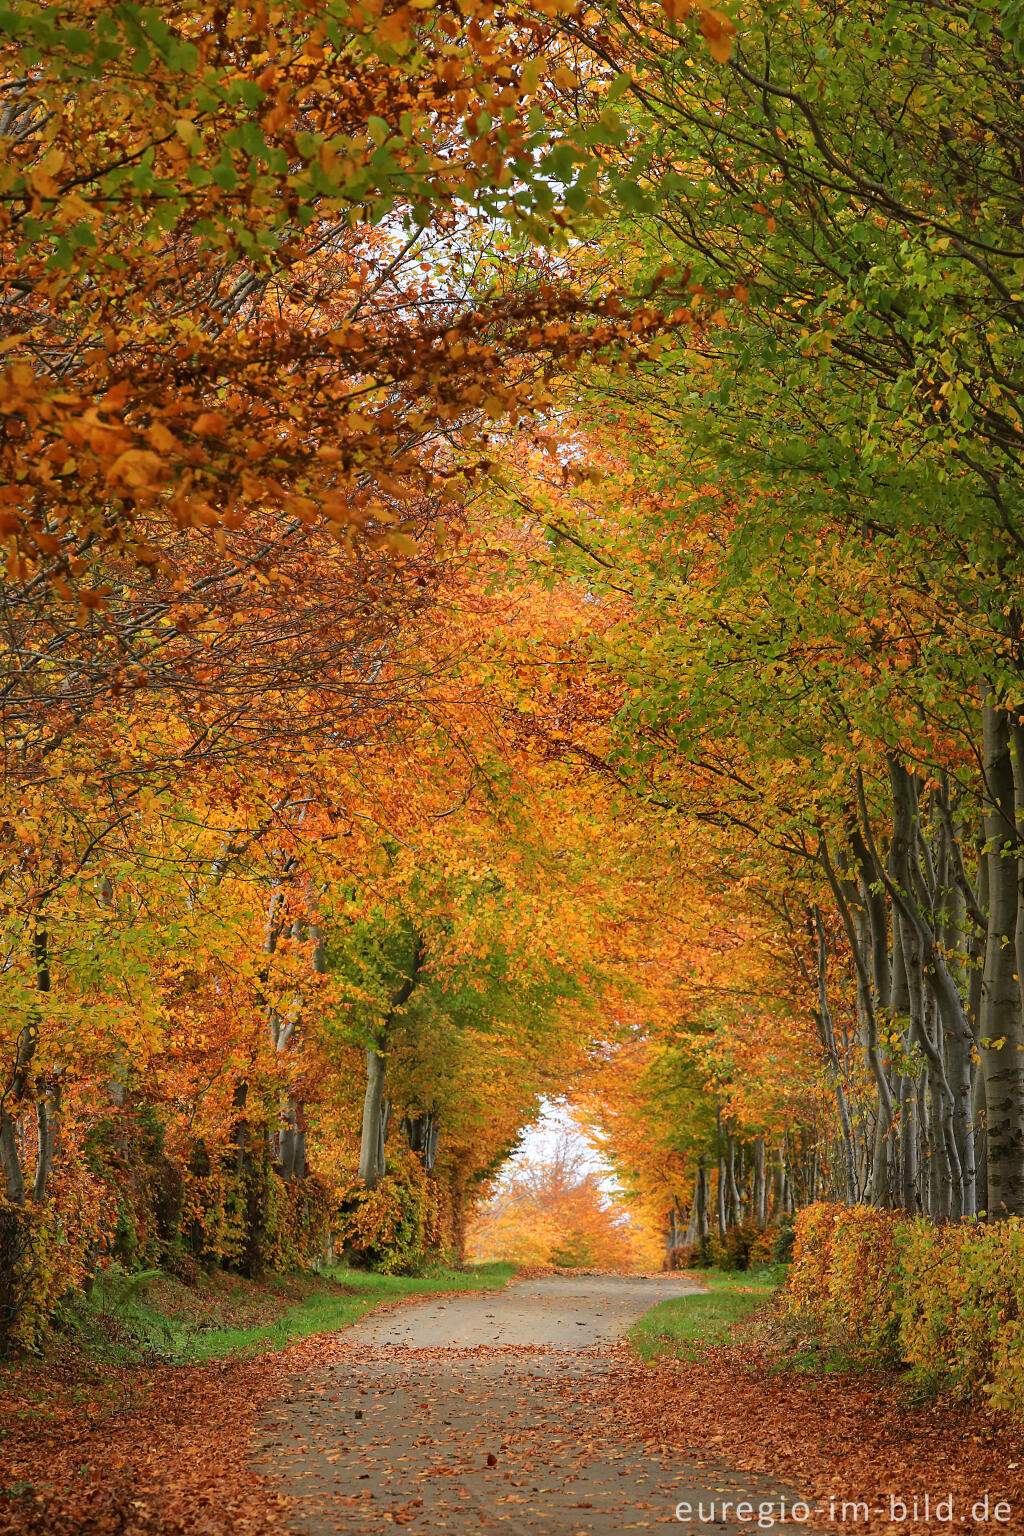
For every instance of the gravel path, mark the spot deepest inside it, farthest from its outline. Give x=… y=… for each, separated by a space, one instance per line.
x=559 y=1313
x=488 y=1412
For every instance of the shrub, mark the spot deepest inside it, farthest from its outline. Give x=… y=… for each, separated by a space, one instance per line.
x=296 y=1222
x=575 y=1251
x=17 y=1256
x=127 y=1200
x=761 y=1250
x=684 y=1256
x=945 y=1302
x=385 y=1228
x=785 y=1236
x=743 y=1247
x=49 y=1249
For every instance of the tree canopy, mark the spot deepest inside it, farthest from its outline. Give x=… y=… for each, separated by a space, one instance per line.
x=513 y=534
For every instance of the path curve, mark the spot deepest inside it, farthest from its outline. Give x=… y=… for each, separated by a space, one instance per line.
x=558 y=1313
x=488 y=1412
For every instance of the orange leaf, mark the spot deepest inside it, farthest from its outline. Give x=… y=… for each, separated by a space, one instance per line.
x=719 y=32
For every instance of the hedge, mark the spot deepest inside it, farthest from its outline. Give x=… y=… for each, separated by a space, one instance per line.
x=947 y=1302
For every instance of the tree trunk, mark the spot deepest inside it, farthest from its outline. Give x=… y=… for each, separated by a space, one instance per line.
x=978 y=1106
x=13 y=1177
x=702 y=1201
x=778 y=1181
x=1001 y=1029
x=371 y=1170
x=915 y=894
x=17 y=1086
x=47 y=1133
x=735 y=1201
x=375 y=1106
x=826 y=1031
x=760 y=1184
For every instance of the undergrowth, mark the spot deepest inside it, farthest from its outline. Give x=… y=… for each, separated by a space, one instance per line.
x=154 y=1318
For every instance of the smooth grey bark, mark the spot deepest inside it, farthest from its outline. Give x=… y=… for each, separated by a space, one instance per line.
x=873 y=986
x=721 y=1190
x=735 y=1199
x=14 y=1179
x=915 y=895
x=17 y=1087
x=291 y=1138
x=702 y=1201
x=870 y=875
x=760 y=1190
x=423 y=1132
x=980 y=1114
x=932 y=1081
x=287 y=1143
x=47 y=1091
x=690 y=1236
x=697 y=1227
x=778 y=1195
x=1001 y=1029
x=826 y=1032
x=48 y=1104
x=958 y=1049
x=375 y=1109
x=723 y=1223
x=371 y=1161
x=977 y=960
x=15 y=1091
x=906 y=1149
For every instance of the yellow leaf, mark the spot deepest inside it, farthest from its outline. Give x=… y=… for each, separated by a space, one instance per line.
x=401 y=543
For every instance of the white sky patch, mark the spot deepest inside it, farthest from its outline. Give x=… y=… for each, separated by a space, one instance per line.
x=555 y=1124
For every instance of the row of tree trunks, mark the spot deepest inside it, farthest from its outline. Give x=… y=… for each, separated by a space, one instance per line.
x=372 y=1163
x=747 y=1185
x=934 y=927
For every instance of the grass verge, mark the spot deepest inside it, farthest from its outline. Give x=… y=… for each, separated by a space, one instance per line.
x=152 y=1318
x=680 y=1328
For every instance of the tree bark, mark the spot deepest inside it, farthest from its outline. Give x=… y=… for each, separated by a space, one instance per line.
x=17 y=1085
x=1001 y=1030
x=374 y=1127
x=735 y=1200
x=826 y=1031
x=871 y=876
x=723 y=1221
x=760 y=1183
x=371 y=1170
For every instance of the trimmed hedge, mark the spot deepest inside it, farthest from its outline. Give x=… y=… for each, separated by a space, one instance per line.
x=947 y=1302
x=132 y=1203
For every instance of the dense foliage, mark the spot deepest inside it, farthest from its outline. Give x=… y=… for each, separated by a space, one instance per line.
x=944 y=1301
x=513 y=541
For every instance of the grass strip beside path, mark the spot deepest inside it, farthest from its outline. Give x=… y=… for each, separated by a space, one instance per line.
x=679 y=1328
x=153 y=1317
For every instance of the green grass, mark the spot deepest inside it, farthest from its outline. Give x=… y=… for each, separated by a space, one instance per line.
x=153 y=1318
x=681 y=1327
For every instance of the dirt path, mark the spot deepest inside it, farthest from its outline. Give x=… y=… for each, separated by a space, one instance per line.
x=488 y=1412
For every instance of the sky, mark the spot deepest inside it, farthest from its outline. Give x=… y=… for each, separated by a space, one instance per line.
x=539 y=1142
